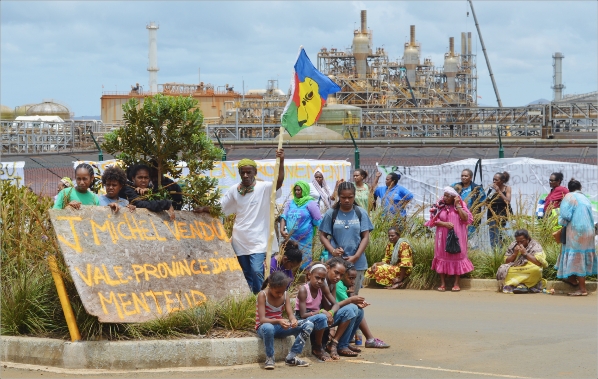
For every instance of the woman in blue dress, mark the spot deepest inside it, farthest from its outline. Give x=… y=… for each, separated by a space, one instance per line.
x=299 y=218
x=578 y=255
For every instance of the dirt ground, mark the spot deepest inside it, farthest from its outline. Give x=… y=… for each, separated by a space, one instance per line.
x=438 y=335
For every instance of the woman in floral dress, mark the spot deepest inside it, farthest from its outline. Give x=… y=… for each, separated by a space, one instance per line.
x=396 y=265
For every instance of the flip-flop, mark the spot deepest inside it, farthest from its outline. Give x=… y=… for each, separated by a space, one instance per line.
x=455 y=289
x=577 y=293
x=441 y=289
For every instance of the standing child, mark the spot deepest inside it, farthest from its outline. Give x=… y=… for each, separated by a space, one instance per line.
x=80 y=194
x=269 y=323
x=114 y=179
x=342 y=293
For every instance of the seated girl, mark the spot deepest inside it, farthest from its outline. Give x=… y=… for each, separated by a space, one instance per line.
x=397 y=262
x=135 y=191
x=308 y=306
x=347 y=310
x=522 y=270
x=288 y=261
x=80 y=194
x=113 y=180
x=270 y=324
x=343 y=290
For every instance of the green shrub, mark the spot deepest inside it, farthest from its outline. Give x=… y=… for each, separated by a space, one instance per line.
x=237 y=313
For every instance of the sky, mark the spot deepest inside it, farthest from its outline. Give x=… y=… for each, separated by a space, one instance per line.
x=71 y=51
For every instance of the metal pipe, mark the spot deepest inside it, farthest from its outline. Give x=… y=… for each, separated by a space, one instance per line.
x=485 y=55
x=67 y=309
x=356 y=150
x=100 y=153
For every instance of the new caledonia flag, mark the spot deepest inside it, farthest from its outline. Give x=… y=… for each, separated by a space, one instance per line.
x=309 y=91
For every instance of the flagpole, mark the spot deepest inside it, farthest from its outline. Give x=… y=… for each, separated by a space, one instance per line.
x=273 y=205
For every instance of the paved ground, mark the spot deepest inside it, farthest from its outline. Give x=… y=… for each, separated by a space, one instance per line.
x=443 y=335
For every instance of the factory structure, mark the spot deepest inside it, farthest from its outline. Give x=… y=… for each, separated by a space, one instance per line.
x=370 y=79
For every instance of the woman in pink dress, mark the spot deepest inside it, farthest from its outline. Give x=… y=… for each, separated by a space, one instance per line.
x=450 y=213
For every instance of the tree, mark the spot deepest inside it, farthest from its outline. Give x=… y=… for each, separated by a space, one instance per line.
x=163 y=131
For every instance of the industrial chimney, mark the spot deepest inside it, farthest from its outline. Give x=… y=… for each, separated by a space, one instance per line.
x=361 y=46
x=557 y=77
x=451 y=65
x=411 y=56
x=153 y=56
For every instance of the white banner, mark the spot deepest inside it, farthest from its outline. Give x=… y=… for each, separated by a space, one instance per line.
x=295 y=169
x=529 y=179
x=13 y=172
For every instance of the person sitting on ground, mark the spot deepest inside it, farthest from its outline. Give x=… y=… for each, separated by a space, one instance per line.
x=79 y=195
x=348 y=309
x=138 y=188
x=344 y=291
x=522 y=270
x=270 y=324
x=396 y=264
x=113 y=180
x=288 y=261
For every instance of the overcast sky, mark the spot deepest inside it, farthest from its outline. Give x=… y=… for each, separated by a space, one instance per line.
x=68 y=50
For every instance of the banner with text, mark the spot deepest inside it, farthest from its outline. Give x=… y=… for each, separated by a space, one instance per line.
x=138 y=266
x=227 y=172
x=13 y=172
x=529 y=179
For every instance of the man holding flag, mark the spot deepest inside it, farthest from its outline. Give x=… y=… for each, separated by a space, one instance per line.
x=309 y=91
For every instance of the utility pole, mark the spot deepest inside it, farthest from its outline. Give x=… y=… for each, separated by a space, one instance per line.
x=501 y=151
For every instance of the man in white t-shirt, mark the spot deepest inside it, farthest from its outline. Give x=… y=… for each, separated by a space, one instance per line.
x=250 y=200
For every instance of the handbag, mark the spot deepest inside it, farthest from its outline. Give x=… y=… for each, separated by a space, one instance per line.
x=452 y=243
x=560 y=236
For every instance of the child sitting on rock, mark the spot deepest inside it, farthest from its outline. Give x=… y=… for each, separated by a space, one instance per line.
x=270 y=324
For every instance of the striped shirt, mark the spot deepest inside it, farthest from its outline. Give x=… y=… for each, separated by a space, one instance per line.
x=271 y=311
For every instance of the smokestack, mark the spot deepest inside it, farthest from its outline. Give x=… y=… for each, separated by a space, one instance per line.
x=463 y=44
x=412 y=35
x=153 y=56
x=557 y=78
x=364 y=21
x=469 y=43
x=452 y=46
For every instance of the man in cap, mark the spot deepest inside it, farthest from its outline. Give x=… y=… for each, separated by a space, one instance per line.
x=250 y=201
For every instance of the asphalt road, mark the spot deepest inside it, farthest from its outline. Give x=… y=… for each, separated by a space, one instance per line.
x=442 y=335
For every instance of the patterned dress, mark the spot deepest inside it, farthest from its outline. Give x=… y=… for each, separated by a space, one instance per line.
x=386 y=272
x=300 y=225
x=578 y=254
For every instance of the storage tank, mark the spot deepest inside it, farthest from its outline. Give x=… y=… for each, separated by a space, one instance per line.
x=411 y=56
x=6 y=113
x=451 y=66
x=361 y=47
x=49 y=108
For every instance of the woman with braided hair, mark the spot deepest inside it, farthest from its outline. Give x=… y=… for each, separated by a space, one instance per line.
x=345 y=231
x=79 y=195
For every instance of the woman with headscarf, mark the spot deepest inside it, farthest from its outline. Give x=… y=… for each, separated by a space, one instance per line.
x=322 y=194
x=450 y=213
x=299 y=218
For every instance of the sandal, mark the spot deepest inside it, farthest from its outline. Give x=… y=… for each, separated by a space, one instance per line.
x=347 y=353
x=331 y=349
x=456 y=289
x=441 y=289
x=577 y=293
x=319 y=353
x=354 y=349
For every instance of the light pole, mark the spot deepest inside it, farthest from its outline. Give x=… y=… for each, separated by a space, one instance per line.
x=501 y=151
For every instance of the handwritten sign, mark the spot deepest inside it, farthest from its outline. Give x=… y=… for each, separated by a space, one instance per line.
x=13 y=172
x=135 y=267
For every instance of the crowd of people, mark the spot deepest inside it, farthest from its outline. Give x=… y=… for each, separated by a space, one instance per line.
x=327 y=307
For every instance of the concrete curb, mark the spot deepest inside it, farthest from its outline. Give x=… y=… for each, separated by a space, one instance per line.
x=492 y=285
x=135 y=355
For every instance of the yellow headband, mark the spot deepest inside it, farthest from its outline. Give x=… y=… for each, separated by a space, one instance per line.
x=246 y=162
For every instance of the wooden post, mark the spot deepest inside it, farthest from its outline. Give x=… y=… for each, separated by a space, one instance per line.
x=71 y=322
x=273 y=206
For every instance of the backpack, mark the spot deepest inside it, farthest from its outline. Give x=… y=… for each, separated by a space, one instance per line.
x=335 y=214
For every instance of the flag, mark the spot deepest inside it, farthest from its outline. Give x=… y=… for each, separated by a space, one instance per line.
x=309 y=91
